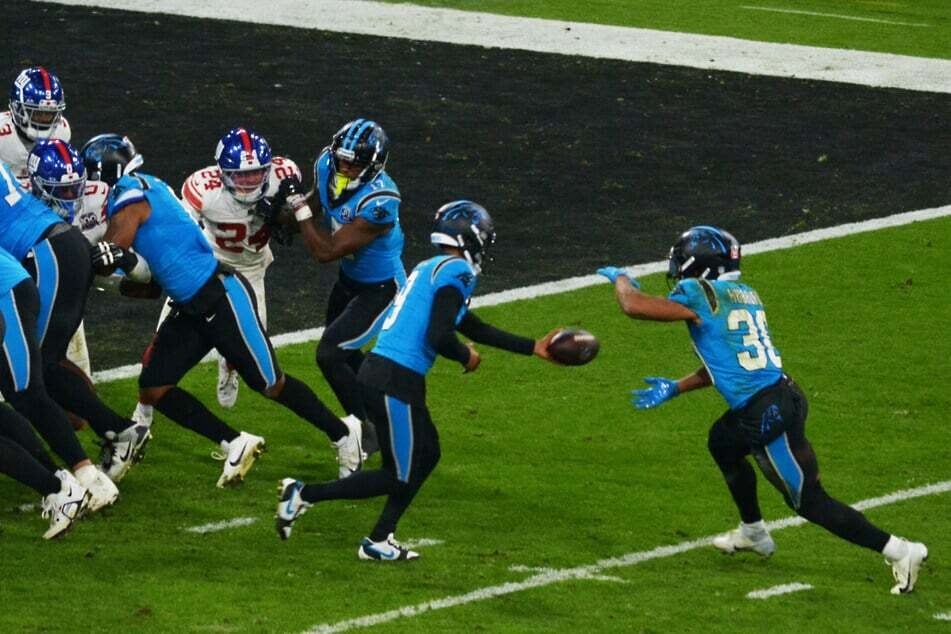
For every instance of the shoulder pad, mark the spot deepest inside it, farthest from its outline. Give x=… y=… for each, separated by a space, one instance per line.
x=196 y=187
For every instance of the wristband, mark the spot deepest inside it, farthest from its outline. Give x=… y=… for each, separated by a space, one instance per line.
x=303 y=213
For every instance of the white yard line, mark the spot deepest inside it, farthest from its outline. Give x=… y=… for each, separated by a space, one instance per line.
x=567 y=38
x=833 y=15
x=775 y=591
x=215 y=527
x=574 y=283
x=422 y=542
x=590 y=571
x=943 y=616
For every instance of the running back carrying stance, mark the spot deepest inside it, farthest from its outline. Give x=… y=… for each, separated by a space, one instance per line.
x=425 y=316
x=214 y=307
x=767 y=415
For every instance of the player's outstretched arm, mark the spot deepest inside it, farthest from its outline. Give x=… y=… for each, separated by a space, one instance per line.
x=441 y=332
x=638 y=305
x=662 y=390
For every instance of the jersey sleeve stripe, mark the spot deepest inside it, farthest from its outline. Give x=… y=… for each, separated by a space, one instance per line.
x=127 y=198
x=191 y=196
x=383 y=193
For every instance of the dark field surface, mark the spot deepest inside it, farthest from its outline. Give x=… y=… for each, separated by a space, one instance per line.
x=582 y=162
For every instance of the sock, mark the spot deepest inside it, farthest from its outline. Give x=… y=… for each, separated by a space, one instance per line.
x=360 y=485
x=73 y=394
x=895 y=548
x=86 y=475
x=17 y=462
x=143 y=414
x=754 y=528
x=301 y=400
x=188 y=411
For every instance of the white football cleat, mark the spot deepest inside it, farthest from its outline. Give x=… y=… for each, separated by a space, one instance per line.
x=905 y=570
x=227 y=384
x=242 y=452
x=290 y=506
x=65 y=506
x=102 y=491
x=350 y=448
x=387 y=550
x=123 y=450
x=743 y=538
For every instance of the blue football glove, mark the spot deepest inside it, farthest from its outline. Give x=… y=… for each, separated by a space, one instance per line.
x=660 y=391
x=614 y=272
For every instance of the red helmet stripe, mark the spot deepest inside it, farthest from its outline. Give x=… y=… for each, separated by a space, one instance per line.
x=47 y=84
x=63 y=152
x=246 y=141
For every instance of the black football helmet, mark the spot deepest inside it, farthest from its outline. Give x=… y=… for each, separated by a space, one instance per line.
x=705 y=252
x=361 y=142
x=465 y=225
x=109 y=157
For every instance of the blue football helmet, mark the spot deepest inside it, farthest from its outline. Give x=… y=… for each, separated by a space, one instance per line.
x=245 y=161
x=465 y=225
x=37 y=102
x=108 y=157
x=705 y=252
x=361 y=143
x=57 y=176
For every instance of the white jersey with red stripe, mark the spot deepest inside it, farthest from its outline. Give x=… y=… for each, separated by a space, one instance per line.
x=92 y=219
x=14 y=151
x=238 y=236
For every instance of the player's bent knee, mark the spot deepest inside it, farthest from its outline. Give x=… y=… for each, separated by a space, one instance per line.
x=152 y=395
x=329 y=353
x=274 y=391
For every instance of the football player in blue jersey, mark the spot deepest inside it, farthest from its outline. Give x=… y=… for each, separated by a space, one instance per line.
x=426 y=314
x=360 y=227
x=46 y=311
x=151 y=236
x=767 y=410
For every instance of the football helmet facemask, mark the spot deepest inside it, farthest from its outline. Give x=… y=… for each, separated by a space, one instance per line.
x=704 y=252
x=37 y=102
x=109 y=157
x=465 y=225
x=57 y=176
x=359 y=145
x=245 y=162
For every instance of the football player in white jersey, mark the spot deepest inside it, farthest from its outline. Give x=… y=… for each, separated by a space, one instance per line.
x=36 y=112
x=230 y=199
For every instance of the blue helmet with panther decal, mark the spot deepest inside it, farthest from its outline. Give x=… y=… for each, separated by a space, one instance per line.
x=358 y=152
x=465 y=225
x=109 y=157
x=705 y=252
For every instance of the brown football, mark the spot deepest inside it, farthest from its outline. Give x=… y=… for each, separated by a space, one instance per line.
x=573 y=347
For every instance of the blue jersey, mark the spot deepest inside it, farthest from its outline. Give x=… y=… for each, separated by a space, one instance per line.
x=23 y=216
x=377 y=202
x=403 y=337
x=171 y=242
x=11 y=272
x=732 y=338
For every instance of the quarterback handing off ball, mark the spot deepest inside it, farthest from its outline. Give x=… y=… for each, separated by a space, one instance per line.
x=574 y=347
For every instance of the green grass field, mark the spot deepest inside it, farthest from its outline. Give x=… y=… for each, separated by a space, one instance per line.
x=871 y=25
x=548 y=467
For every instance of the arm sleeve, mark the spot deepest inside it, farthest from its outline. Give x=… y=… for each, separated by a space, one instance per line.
x=441 y=333
x=481 y=332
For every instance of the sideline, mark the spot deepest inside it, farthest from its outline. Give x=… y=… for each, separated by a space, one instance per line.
x=566 y=38
x=593 y=571
x=584 y=281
